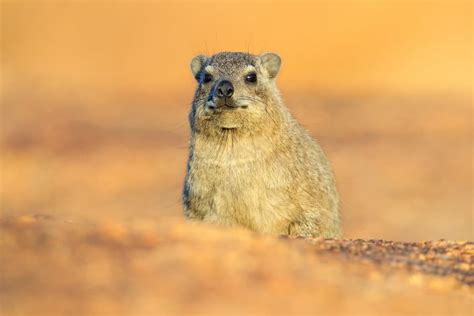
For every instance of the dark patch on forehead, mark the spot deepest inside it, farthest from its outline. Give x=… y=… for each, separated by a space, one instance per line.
x=229 y=61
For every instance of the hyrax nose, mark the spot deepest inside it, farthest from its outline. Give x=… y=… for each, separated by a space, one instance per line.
x=224 y=89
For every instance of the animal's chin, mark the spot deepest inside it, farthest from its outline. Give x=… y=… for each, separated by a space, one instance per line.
x=229 y=126
x=228 y=123
x=229 y=119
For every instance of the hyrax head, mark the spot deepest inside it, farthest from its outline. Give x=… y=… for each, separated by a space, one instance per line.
x=233 y=88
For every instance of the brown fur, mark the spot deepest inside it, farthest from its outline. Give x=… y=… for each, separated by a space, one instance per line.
x=255 y=166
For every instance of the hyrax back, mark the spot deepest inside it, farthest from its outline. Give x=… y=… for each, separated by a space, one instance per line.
x=250 y=163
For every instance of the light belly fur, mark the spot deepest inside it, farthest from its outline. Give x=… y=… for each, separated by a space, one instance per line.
x=249 y=193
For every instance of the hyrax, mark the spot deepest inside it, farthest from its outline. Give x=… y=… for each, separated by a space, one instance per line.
x=250 y=163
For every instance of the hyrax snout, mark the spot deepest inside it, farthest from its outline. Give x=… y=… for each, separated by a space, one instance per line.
x=250 y=163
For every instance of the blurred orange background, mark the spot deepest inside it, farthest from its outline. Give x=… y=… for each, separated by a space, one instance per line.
x=95 y=96
x=393 y=46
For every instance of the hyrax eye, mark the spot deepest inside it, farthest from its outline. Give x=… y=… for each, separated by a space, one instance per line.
x=207 y=78
x=251 y=77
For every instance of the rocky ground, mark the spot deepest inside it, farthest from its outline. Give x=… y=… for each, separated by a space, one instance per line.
x=64 y=266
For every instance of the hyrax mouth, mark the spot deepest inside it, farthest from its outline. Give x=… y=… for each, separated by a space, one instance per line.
x=226 y=104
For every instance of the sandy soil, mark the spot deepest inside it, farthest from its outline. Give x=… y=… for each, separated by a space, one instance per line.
x=65 y=266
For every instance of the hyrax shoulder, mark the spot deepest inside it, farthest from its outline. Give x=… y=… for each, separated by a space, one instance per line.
x=250 y=163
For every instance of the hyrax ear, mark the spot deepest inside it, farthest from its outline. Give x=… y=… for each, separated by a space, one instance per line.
x=271 y=62
x=197 y=63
